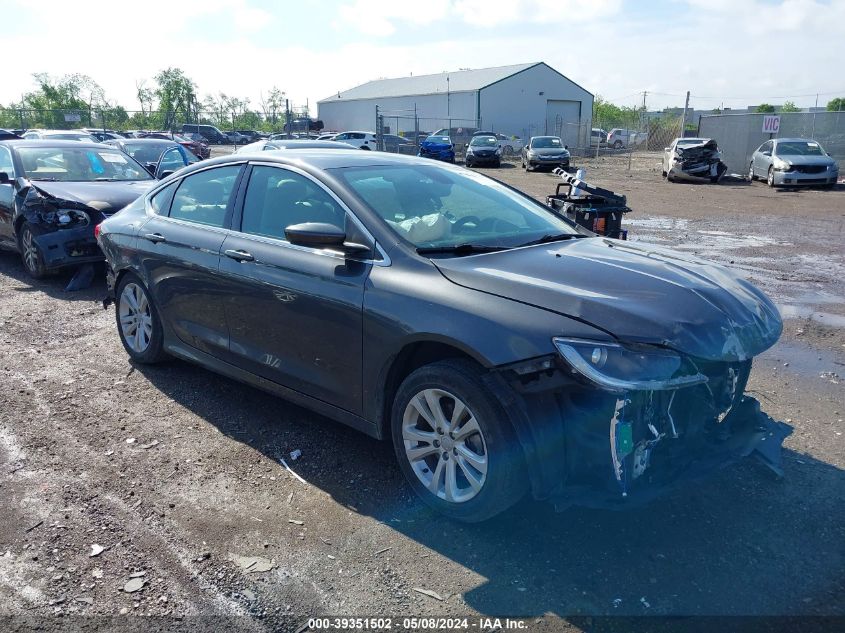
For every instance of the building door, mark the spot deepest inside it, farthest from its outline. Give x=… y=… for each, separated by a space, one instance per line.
x=563 y=119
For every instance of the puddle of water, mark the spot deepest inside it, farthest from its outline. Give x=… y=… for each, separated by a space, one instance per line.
x=788 y=311
x=805 y=360
x=659 y=223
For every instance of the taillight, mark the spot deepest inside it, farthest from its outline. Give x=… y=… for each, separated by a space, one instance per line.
x=97 y=231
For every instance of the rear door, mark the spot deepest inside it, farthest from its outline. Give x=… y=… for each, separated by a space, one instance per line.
x=295 y=313
x=180 y=254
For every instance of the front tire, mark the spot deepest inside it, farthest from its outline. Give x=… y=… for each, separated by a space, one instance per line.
x=751 y=176
x=138 y=322
x=33 y=260
x=454 y=442
x=770 y=179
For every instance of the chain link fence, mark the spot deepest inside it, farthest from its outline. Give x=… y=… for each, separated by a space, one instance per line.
x=738 y=135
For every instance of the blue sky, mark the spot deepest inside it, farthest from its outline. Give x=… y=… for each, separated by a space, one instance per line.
x=726 y=52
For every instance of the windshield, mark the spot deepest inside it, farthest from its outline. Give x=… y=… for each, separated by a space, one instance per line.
x=546 y=141
x=484 y=141
x=147 y=152
x=799 y=148
x=79 y=164
x=438 y=139
x=433 y=206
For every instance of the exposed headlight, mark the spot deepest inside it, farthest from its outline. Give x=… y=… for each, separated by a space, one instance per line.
x=66 y=218
x=469 y=150
x=614 y=367
x=781 y=165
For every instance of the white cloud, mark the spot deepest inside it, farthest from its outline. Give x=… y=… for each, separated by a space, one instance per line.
x=720 y=49
x=503 y=12
x=379 y=17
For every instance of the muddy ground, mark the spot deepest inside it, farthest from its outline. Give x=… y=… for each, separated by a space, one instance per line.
x=166 y=476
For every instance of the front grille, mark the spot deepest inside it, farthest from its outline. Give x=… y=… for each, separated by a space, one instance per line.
x=810 y=169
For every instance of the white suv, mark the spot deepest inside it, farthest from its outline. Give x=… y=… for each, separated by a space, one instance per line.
x=361 y=140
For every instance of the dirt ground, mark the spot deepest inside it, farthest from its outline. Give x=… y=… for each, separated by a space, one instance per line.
x=147 y=490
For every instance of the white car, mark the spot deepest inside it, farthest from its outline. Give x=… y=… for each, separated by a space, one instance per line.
x=361 y=140
x=61 y=135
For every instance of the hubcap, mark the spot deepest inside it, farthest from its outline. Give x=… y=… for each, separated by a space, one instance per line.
x=136 y=321
x=30 y=250
x=444 y=445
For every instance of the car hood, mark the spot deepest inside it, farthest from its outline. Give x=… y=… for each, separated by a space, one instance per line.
x=107 y=197
x=635 y=292
x=797 y=159
x=549 y=151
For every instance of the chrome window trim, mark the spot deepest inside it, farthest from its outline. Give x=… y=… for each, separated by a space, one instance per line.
x=384 y=261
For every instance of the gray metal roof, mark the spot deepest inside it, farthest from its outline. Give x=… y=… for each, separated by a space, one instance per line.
x=459 y=81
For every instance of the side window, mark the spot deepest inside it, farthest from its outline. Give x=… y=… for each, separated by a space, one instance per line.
x=171 y=160
x=6 y=163
x=277 y=198
x=357 y=135
x=160 y=202
x=203 y=197
x=341 y=137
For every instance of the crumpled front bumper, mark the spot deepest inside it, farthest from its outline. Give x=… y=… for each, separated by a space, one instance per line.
x=68 y=247
x=745 y=431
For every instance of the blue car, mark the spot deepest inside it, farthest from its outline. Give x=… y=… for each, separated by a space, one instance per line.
x=438 y=148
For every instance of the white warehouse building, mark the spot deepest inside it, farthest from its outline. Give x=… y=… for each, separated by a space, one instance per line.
x=523 y=100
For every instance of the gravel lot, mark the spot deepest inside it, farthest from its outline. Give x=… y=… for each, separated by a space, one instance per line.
x=173 y=475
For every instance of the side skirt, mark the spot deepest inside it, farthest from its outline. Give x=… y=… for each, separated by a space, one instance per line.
x=184 y=352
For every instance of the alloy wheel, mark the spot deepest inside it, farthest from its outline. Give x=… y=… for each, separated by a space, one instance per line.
x=29 y=251
x=751 y=172
x=445 y=445
x=771 y=177
x=136 y=322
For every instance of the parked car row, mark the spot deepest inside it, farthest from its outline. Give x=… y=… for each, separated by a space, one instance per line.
x=780 y=162
x=322 y=274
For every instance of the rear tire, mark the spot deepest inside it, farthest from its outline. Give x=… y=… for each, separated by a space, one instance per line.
x=138 y=323
x=454 y=442
x=33 y=260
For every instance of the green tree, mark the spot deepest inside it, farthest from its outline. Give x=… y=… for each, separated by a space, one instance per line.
x=789 y=106
x=175 y=92
x=836 y=105
x=609 y=114
x=765 y=108
x=57 y=96
x=272 y=106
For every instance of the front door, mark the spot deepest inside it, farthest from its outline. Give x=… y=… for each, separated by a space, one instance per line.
x=294 y=313
x=180 y=249
x=7 y=198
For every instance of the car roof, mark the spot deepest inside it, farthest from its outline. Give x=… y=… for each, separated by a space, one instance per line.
x=142 y=140
x=32 y=142
x=321 y=158
x=302 y=143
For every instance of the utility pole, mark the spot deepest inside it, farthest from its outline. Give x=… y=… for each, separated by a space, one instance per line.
x=684 y=119
x=645 y=93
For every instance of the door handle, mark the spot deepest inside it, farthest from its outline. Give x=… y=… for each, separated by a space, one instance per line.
x=155 y=237
x=241 y=256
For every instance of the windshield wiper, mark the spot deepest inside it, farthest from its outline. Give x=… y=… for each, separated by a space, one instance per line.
x=45 y=179
x=103 y=179
x=557 y=237
x=459 y=249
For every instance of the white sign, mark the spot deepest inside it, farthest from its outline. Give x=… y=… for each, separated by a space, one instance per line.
x=73 y=118
x=771 y=124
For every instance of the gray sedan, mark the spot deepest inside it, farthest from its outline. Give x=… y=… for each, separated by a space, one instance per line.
x=793 y=161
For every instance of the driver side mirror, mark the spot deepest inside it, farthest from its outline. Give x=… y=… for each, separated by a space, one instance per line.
x=321 y=234
x=150 y=167
x=766 y=153
x=4 y=178
x=667 y=149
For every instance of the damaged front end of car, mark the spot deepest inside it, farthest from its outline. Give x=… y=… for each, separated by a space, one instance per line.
x=623 y=424
x=701 y=162
x=63 y=230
